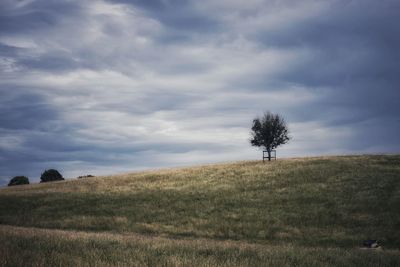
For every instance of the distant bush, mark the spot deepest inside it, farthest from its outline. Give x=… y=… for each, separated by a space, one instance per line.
x=50 y=176
x=85 y=176
x=17 y=180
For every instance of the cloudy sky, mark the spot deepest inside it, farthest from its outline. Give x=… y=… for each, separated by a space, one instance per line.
x=101 y=87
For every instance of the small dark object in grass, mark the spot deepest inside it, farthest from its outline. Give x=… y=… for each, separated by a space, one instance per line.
x=85 y=176
x=371 y=243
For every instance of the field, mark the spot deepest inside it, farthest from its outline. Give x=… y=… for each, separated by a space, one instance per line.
x=292 y=212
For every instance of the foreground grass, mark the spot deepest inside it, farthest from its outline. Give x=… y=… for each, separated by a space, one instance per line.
x=43 y=247
x=297 y=211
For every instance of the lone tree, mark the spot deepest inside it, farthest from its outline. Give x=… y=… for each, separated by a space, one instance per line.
x=269 y=131
x=50 y=176
x=17 y=180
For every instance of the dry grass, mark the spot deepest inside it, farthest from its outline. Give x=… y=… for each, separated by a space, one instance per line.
x=175 y=178
x=307 y=211
x=48 y=247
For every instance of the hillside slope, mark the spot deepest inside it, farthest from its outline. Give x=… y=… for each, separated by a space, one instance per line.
x=325 y=204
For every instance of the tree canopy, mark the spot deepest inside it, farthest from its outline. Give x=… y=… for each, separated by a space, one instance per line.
x=269 y=131
x=17 y=180
x=50 y=175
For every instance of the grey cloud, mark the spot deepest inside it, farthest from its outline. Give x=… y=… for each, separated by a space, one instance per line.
x=353 y=58
x=155 y=101
x=26 y=22
x=23 y=110
x=8 y=50
x=51 y=150
x=44 y=140
x=54 y=62
x=30 y=130
x=108 y=93
x=347 y=41
x=176 y=14
x=36 y=15
x=351 y=46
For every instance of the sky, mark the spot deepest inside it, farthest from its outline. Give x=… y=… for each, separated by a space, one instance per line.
x=109 y=86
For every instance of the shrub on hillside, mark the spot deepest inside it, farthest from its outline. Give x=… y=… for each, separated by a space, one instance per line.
x=50 y=176
x=17 y=180
x=85 y=176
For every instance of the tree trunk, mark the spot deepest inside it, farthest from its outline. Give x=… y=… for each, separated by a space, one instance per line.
x=269 y=155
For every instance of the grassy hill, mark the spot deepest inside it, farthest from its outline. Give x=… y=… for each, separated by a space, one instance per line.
x=304 y=212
